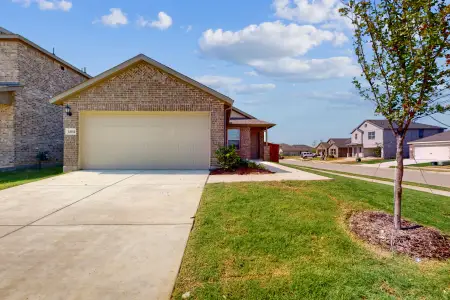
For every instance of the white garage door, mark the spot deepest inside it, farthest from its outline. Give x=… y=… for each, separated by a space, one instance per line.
x=432 y=152
x=138 y=140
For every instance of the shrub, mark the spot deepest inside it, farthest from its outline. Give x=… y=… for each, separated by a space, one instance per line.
x=358 y=159
x=228 y=158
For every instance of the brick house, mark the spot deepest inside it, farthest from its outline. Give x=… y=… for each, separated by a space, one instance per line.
x=29 y=76
x=143 y=115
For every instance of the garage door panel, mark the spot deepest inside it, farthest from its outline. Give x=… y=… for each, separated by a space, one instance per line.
x=145 y=141
x=432 y=152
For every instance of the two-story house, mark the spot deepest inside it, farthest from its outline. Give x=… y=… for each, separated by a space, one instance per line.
x=373 y=134
x=29 y=77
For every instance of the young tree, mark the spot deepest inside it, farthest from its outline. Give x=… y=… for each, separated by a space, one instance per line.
x=402 y=47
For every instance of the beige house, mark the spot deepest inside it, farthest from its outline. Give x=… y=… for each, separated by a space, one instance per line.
x=29 y=76
x=338 y=147
x=143 y=115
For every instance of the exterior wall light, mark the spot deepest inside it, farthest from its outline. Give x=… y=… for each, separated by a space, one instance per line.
x=68 y=110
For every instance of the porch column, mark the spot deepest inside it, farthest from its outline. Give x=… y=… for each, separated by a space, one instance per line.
x=266 y=155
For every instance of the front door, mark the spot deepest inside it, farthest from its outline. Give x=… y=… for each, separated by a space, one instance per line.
x=255 y=144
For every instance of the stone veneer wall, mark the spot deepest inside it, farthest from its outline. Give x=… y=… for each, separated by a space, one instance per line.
x=38 y=125
x=142 y=87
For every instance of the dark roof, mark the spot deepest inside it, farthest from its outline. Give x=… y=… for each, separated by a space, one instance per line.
x=251 y=122
x=385 y=125
x=340 y=142
x=295 y=148
x=440 y=137
x=324 y=145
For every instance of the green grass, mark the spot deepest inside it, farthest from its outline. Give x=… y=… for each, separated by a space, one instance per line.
x=289 y=240
x=309 y=169
x=14 y=178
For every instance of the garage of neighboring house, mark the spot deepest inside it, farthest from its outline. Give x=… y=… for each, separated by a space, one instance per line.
x=142 y=115
x=435 y=147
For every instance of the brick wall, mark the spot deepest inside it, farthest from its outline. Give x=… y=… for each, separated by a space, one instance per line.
x=9 y=72
x=9 y=67
x=142 y=88
x=38 y=125
x=6 y=136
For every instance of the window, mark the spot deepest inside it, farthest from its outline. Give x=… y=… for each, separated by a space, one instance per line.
x=421 y=131
x=371 y=135
x=333 y=151
x=356 y=136
x=234 y=137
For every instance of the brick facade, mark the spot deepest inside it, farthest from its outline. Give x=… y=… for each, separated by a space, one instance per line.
x=31 y=123
x=142 y=87
x=245 y=149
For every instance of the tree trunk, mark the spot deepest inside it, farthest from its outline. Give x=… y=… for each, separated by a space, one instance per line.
x=398 y=184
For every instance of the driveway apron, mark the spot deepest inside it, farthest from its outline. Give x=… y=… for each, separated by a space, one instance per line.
x=97 y=234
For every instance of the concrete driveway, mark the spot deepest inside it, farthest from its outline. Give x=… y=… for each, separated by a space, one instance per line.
x=97 y=235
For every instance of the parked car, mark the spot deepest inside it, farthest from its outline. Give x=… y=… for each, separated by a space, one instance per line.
x=308 y=155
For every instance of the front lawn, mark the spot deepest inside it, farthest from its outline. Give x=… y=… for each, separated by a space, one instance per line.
x=14 y=178
x=289 y=240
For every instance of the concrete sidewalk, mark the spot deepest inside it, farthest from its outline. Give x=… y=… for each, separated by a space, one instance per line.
x=281 y=173
x=411 y=187
x=418 y=176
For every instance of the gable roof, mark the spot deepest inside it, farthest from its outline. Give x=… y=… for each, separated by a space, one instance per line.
x=443 y=137
x=59 y=99
x=340 y=142
x=6 y=35
x=243 y=113
x=384 y=124
x=323 y=145
x=249 y=120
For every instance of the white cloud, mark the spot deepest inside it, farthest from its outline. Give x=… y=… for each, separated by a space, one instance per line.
x=63 y=5
x=114 y=19
x=217 y=82
x=268 y=40
x=274 y=49
x=251 y=73
x=164 y=21
x=307 y=11
x=234 y=85
x=306 y=70
x=24 y=3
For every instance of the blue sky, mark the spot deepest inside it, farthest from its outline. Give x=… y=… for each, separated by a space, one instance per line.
x=285 y=61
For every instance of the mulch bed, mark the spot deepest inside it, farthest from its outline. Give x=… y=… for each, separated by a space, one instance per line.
x=240 y=171
x=414 y=240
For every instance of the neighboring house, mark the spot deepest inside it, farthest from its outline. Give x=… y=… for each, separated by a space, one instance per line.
x=322 y=149
x=29 y=76
x=144 y=115
x=294 y=150
x=371 y=134
x=435 y=147
x=338 y=147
